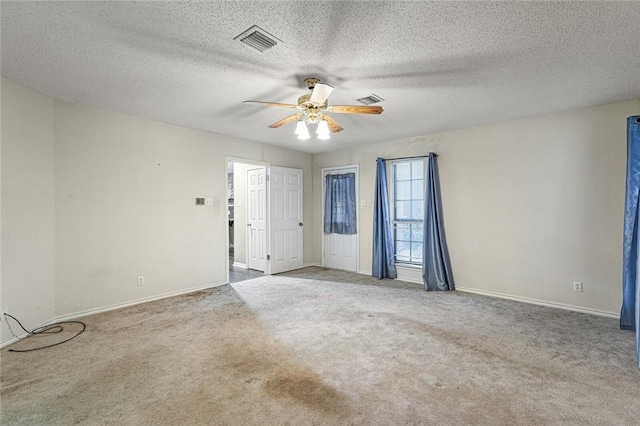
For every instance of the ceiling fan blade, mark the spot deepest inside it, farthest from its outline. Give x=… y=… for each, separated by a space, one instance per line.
x=286 y=120
x=356 y=109
x=274 y=104
x=333 y=126
x=320 y=93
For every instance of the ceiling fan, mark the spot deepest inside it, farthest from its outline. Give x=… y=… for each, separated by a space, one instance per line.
x=314 y=108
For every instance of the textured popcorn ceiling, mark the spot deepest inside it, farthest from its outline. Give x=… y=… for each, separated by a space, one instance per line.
x=439 y=66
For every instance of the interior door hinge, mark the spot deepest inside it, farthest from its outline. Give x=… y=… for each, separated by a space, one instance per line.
x=268 y=257
x=268 y=176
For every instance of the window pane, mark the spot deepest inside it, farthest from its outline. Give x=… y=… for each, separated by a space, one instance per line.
x=403 y=190
x=403 y=249
x=408 y=207
x=416 y=251
x=403 y=210
x=416 y=232
x=403 y=171
x=402 y=233
x=416 y=210
x=417 y=189
x=417 y=171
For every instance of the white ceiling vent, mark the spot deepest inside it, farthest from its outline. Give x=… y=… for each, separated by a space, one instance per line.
x=372 y=99
x=258 y=39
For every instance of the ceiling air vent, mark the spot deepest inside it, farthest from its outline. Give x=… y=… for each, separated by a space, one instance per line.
x=258 y=39
x=372 y=99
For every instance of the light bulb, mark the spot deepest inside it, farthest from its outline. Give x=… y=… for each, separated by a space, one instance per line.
x=302 y=131
x=323 y=130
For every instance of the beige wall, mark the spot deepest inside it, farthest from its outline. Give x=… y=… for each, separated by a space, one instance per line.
x=529 y=205
x=28 y=214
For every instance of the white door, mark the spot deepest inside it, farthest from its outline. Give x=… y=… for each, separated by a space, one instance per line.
x=286 y=221
x=256 y=223
x=339 y=251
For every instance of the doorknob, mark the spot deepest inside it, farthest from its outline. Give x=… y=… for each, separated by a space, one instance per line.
x=300 y=224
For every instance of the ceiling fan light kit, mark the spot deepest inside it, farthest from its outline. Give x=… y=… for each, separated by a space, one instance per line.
x=302 y=131
x=323 y=130
x=314 y=108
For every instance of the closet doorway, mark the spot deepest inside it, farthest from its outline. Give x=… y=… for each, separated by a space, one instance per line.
x=246 y=188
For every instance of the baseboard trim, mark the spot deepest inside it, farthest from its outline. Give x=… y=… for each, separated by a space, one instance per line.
x=88 y=312
x=239 y=265
x=531 y=301
x=563 y=306
x=134 y=302
x=11 y=340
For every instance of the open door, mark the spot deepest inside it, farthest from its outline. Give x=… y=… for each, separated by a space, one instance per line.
x=256 y=222
x=285 y=220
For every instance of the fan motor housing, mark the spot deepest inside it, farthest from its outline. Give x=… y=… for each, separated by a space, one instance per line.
x=311 y=82
x=304 y=102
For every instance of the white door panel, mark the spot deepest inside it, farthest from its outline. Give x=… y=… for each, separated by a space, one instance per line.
x=340 y=251
x=286 y=219
x=256 y=223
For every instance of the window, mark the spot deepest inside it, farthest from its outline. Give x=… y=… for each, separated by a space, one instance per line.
x=408 y=210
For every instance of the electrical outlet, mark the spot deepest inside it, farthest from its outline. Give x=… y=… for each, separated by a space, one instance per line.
x=577 y=286
x=140 y=280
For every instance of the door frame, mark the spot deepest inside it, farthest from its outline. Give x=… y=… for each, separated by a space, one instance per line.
x=266 y=206
x=329 y=170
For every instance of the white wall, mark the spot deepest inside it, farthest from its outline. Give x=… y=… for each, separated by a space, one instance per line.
x=125 y=191
x=28 y=214
x=529 y=205
x=123 y=205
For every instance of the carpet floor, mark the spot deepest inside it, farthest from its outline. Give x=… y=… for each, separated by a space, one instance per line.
x=327 y=348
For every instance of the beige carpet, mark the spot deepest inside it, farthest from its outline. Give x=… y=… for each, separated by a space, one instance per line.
x=300 y=350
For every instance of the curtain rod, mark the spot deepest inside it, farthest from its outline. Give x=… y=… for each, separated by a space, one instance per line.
x=409 y=158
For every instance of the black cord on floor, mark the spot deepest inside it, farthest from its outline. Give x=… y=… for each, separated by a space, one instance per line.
x=46 y=329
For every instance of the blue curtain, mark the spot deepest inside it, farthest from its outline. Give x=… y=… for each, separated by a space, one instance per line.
x=630 y=312
x=340 y=204
x=436 y=266
x=383 y=252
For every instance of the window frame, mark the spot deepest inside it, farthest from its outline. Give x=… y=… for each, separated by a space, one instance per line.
x=393 y=204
